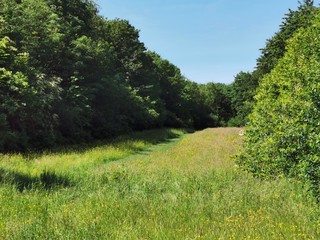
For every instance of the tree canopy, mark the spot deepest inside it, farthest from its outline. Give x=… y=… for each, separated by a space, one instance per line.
x=70 y=75
x=245 y=84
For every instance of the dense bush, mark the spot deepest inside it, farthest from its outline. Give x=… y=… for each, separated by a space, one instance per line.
x=283 y=136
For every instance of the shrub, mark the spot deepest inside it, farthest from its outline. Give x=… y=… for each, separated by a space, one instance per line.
x=282 y=137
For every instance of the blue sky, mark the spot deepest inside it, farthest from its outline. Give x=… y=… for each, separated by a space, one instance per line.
x=209 y=40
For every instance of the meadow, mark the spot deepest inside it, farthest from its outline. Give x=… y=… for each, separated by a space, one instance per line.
x=156 y=184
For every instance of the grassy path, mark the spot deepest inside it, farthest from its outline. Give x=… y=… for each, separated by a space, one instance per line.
x=143 y=187
x=200 y=152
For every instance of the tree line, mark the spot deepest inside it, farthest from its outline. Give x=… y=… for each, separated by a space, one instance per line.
x=69 y=75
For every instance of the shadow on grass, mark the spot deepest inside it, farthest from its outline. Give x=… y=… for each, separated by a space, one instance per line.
x=147 y=151
x=154 y=136
x=151 y=137
x=152 y=143
x=46 y=181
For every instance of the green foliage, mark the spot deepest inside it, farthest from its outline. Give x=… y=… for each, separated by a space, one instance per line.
x=245 y=84
x=242 y=93
x=276 y=46
x=69 y=75
x=25 y=101
x=282 y=136
x=172 y=94
x=217 y=100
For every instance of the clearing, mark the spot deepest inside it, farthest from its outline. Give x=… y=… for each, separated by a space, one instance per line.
x=158 y=184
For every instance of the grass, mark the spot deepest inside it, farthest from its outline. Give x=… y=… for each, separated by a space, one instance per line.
x=161 y=184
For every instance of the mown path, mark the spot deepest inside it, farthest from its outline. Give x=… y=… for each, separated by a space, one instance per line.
x=206 y=150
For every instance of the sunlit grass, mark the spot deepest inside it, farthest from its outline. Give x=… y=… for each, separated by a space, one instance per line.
x=185 y=188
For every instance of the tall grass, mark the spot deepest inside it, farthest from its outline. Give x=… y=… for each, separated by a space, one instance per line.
x=185 y=188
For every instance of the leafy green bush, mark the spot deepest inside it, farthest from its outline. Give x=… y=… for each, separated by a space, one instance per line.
x=283 y=136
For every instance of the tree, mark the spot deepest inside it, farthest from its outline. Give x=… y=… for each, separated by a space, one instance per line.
x=245 y=84
x=276 y=46
x=173 y=92
x=242 y=93
x=138 y=69
x=25 y=101
x=218 y=103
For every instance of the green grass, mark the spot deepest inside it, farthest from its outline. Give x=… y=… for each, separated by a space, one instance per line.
x=160 y=184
